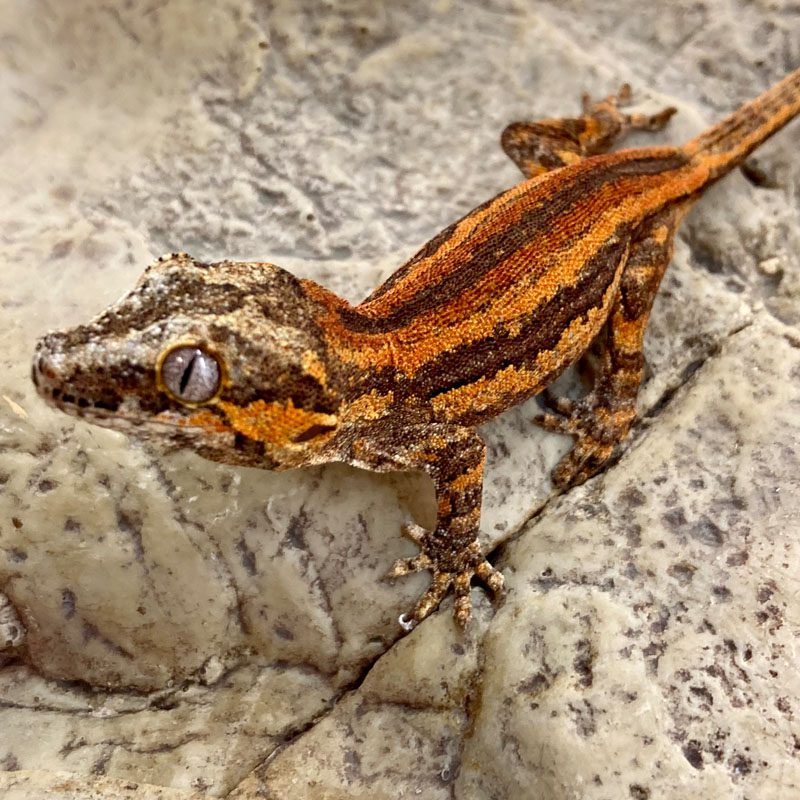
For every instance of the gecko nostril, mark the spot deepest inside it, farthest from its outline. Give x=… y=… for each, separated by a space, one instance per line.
x=44 y=367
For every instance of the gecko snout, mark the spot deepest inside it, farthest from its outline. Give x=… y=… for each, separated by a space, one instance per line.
x=63 y=380
x=47 y=370
x=43 y=371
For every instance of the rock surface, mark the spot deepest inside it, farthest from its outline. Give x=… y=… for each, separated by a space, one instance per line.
x=168 y=622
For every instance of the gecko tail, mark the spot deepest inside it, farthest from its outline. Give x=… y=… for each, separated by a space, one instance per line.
x=728 y=143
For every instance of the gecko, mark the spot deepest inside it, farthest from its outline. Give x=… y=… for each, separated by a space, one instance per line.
x=249 y=365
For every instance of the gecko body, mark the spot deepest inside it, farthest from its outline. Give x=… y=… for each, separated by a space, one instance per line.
x=247 y=364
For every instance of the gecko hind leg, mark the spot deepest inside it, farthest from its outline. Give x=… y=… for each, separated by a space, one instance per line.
x=600 y=421
x=538 y=147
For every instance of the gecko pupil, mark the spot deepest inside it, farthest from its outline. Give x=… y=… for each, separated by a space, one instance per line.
x=191 y=375
x=187 y=373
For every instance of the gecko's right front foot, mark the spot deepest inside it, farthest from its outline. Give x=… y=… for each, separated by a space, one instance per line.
x=449 y=568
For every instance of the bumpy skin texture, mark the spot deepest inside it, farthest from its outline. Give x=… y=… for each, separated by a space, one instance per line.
x=484 y=316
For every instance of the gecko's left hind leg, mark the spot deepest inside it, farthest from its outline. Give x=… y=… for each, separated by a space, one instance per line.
x=537 y=147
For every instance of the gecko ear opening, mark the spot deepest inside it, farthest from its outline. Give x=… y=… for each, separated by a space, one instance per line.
x=189 y=374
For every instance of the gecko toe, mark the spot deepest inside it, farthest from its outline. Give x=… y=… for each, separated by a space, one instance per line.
x=620 y=99
x=435 y=594
x=415 y=532
x=405 y=566
x=659 y=120
x=492 y=577
x=555 y=423
x=650 y=122
x=586 y=459
x=462 y=607
x=623 y=96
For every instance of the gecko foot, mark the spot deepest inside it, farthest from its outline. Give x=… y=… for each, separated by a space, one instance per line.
x=624 y=97
x=598 y=426
x=454 y=570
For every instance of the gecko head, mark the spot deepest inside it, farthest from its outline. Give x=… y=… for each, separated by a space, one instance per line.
x=225 y=358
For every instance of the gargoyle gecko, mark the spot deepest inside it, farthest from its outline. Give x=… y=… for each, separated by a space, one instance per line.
x=246 y=364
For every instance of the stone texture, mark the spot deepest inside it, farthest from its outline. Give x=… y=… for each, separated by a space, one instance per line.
x=178 y=623
x=199 y=735
x=23 y=785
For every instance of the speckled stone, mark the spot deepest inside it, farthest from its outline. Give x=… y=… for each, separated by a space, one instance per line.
x=24 y=785
x=177 y=623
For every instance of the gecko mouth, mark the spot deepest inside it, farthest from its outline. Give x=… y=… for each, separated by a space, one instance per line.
x=125 y=416
x=111 y=410
x=124 y=413
x=76 y=405
x=64 y=398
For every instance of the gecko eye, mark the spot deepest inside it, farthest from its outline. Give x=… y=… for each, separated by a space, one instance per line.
x=190 y=375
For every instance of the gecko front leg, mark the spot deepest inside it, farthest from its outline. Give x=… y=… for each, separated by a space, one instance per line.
x=453 y=456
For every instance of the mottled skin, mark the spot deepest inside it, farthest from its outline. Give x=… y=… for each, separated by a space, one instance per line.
x=484 y=316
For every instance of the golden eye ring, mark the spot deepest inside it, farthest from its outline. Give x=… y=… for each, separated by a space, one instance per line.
x=190 y=374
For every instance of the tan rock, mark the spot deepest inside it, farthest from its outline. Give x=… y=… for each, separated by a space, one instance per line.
x=177 y=623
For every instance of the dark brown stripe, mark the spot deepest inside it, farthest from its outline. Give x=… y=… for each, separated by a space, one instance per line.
x=540 y=330
x=761 y=117
x=542 y=216
x=428 y=250
x=271 y=379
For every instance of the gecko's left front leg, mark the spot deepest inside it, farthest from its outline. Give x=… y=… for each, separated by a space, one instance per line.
x=454 y=458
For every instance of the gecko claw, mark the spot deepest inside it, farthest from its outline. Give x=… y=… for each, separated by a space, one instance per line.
x=406 y=623
x=405 y=566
